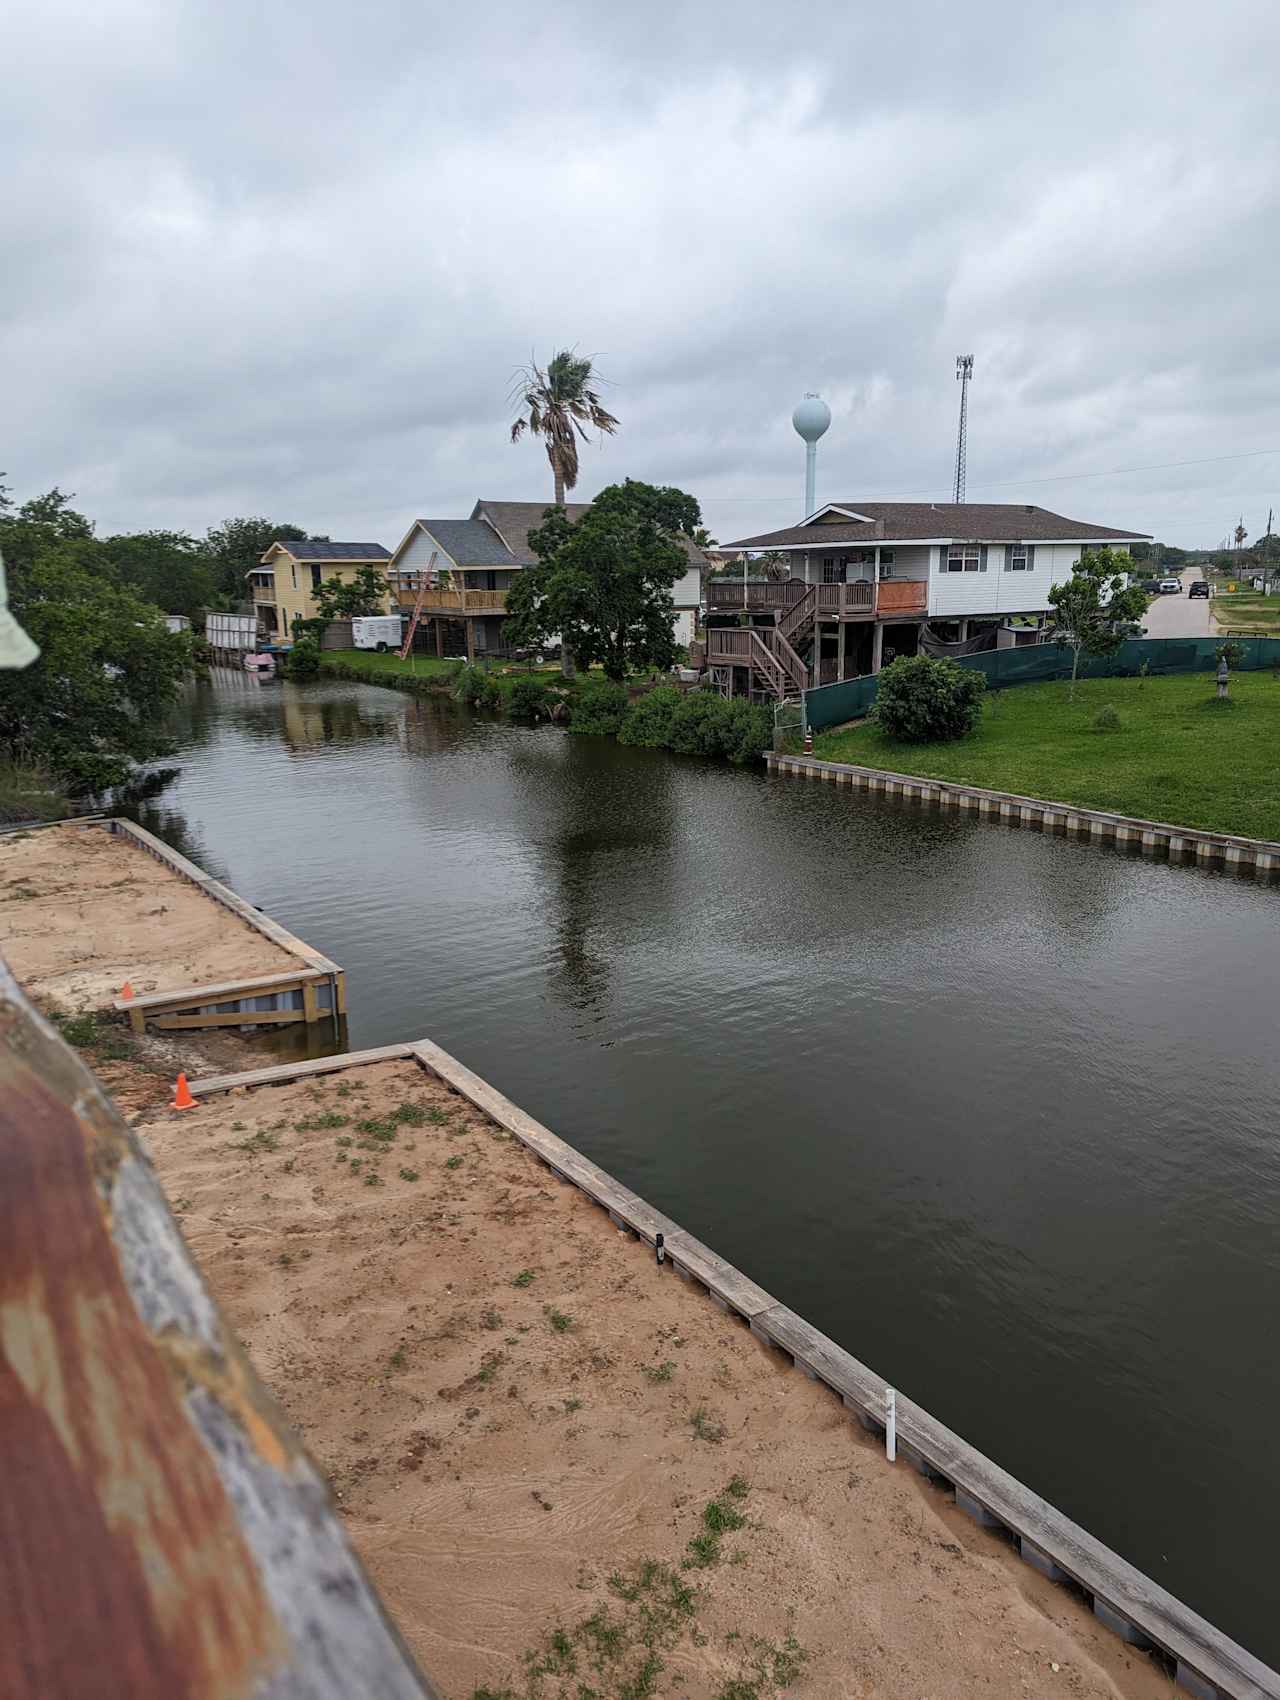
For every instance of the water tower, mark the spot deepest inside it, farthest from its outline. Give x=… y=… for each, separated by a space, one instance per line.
x=811 y=418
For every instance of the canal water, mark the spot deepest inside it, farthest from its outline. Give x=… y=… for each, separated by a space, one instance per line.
x=993 y=1109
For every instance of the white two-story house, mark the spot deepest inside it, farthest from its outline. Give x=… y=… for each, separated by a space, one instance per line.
x=866 y=581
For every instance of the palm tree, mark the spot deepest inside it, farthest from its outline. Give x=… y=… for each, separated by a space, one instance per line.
x=558 y=405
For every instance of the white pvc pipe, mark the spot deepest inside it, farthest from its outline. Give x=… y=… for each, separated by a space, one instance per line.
x=890 y=1424
x=810 y=477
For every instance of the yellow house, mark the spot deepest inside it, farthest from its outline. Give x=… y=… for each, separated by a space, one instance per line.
x=284 y=582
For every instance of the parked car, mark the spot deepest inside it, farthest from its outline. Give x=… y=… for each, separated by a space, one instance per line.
x=1199 y=587
x=1169 y=586
x=377 y=631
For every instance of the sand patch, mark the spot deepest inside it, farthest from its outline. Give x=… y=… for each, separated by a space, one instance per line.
x=82 y=911
x=515 y=1406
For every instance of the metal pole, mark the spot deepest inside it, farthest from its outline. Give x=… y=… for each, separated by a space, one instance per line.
x=810 y=478
x=890 y=1425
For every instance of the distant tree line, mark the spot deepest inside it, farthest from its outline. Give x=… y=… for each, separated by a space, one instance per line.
x=95 y=702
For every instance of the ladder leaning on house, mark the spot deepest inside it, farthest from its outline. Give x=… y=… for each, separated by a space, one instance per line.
x=426 y=582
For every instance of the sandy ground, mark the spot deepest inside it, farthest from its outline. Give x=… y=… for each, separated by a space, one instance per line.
x=517 y=1410
x=82 y=911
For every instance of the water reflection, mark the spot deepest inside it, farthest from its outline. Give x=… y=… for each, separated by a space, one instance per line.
x=953 y=1090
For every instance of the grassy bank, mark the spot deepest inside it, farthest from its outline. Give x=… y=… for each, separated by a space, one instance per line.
x=423 y=675
x=1177 y=755
x=1248 y=611
x=29 y=793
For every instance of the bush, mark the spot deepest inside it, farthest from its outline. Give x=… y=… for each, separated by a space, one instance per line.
x=923 y=701
x=303 y=660
x=747 y=731
x=29 y=792
x=599 y=708
x=529 y=699
x=697 y=728
x=474 y=687
x=649 y=722
x=1107 y=720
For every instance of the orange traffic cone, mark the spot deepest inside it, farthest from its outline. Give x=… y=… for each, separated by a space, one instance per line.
x=182 y=1099
x=126 y=991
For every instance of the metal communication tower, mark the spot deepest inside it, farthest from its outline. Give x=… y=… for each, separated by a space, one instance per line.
x=964 y=371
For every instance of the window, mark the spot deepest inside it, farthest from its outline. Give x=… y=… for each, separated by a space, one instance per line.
x=315 y=578
x=1019 y=558
x=294 y=571
x=831 y=573
x=886 y=563
x=966 y=558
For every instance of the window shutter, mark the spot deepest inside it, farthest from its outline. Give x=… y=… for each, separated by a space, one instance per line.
x=982 y=558
x=1031 y=557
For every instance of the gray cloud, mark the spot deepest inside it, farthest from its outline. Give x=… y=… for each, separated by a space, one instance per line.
x=285 y=260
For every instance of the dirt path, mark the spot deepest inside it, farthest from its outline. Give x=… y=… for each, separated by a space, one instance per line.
x=82 y=911
x=542 y=1443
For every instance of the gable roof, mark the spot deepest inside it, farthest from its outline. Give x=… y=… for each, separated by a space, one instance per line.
x=468 y=542
x=966 y=522
x=312 y=550
x=513 y=521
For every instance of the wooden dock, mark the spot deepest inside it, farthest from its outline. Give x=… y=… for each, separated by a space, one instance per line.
x=1206 y=1663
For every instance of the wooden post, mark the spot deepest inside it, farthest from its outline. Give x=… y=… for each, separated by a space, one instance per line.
x=471 y=638
x=840 y=642
x=877 y=647
x=439 y=635
x=310 y=1002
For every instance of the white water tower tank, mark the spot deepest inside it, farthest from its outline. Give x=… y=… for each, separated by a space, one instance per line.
x=811 y=419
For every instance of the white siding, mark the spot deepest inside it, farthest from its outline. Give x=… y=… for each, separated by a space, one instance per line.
x=687 y=591
x=683 y=626
x=997 y=591
x=416 y=556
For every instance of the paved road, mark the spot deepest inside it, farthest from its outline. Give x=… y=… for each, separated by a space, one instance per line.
x=1181 y=615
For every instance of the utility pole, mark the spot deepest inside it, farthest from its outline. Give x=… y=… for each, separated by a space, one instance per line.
x=964 y=371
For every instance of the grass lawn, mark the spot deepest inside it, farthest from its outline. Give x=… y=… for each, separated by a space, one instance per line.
x=1248 y=611
x=1177 y=757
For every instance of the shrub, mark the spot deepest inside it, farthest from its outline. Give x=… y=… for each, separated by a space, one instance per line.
x=649 y=722
x=303 y=660
x=599 y=708
x=923 y=701
x=697 y=727
x=747 y=732
x=474 y=687
x=1107 y=720
x=529 y=699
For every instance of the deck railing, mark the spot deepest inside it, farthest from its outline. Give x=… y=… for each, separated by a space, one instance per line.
x=902 y=596
x=449 y=601
x=860 y=596
x=725 y=593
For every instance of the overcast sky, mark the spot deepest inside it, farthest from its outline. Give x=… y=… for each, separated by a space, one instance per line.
x=283 y=259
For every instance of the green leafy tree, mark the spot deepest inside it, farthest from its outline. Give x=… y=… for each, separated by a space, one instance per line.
x=1096 y=609
x=94 y=702
x=604 y=583
x=920 y=700
x=237 y=545
x=560 y=405
x=349 y=599
x=167 y=568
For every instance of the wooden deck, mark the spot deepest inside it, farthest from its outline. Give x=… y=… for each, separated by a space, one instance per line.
x=454 y=604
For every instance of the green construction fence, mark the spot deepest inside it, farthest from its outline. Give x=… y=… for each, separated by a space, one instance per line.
x=1034 y=664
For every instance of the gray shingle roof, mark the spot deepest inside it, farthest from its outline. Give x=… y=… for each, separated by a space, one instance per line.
x=515 y=520
x=471 y=542
x=970 y=522
x=315 y=551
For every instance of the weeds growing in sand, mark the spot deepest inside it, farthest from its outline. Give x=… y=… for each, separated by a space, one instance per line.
x=319 y=1124
x=523 y=1279
x=558 y=1320
x=706 y=1428
x=344 y=1140
x=438 y=1117
x=397 y=1358
x=263 y=1140
x=408 y=1174
x=659 y=1372
x=491 y=1319
x=453 y=1162
x=409 y=1115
